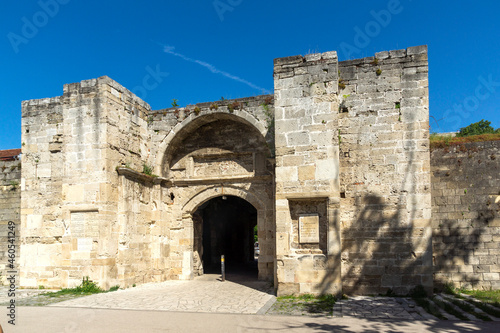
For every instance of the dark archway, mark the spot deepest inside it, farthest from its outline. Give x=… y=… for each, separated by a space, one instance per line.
x=225 y=226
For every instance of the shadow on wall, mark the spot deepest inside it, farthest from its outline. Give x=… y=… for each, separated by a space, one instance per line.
x=385 y=238
x=466 y=215
x=383 y=254
x=377 y=253
x=460 y=255
x=385 y=249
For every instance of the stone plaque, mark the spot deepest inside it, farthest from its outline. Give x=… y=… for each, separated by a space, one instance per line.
x=77 y=225
x=309 y=228
x=84 y=224
x=85 y=244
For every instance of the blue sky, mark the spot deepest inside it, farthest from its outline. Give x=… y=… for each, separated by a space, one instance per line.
x=203 y=50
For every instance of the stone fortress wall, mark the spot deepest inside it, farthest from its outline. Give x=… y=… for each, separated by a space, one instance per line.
x=70 y=193
x=336 y=164
x=465 y=241
x=87 y=208
x=10 y=194
x=466 y=215
x=384 y=172
x=352 y=144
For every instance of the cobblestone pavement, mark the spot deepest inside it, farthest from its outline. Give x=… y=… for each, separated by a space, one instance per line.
x=207 y=294
x=204 y=294
x=380 y=308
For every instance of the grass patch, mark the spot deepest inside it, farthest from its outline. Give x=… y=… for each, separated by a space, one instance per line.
x=304 y=304
x=147 y=170
x=437 y=141
x=114 y=288
x=88 y=287
x=489 y=296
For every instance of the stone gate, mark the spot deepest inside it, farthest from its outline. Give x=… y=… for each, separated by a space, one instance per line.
x=333 y=169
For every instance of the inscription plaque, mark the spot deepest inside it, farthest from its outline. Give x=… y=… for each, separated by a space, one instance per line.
x=309 y=228
x=77 y=224
x=84 y=244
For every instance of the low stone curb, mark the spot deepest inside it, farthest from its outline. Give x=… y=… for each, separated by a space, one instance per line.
x=267 y=306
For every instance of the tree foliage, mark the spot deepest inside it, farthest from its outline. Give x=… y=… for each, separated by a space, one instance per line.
x=481 y=127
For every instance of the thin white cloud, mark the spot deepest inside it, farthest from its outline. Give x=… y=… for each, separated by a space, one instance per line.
x=170 y=50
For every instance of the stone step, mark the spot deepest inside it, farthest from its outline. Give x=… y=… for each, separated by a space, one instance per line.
x=443 y=298
x=445 y=314
x=472 y=299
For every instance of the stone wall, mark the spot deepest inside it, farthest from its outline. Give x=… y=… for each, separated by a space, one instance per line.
x=466 y=215
x=69 y=202
x=89 y=210
x=111 y=189
x=307 y=175
x=385 y=194
x=10 y=198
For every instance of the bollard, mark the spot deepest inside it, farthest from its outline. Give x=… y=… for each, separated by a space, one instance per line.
x=223 y=268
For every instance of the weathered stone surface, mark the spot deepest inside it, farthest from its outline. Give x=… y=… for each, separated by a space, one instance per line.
x=465 y=208
x=351 y=146
x=10 y=195
x=376 y=210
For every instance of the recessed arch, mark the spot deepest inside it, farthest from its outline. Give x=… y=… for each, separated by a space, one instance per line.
x=219 y=154
x=193 y=122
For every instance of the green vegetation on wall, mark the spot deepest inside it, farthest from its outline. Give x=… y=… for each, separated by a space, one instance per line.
x=481 y=127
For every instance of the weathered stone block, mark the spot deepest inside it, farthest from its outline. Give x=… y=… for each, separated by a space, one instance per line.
x=307 y=172
x=298 y=139
x=417 y=50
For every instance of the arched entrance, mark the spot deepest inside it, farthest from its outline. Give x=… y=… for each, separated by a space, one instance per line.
x=225 y=225
x=215 y=156
x=241 y=204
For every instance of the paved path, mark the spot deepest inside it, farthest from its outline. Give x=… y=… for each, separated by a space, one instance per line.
x=207 y=305
x=77 y=320
x=204 y=294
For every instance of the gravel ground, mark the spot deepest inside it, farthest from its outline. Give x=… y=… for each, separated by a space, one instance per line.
x=32 y=297
x=300 y=306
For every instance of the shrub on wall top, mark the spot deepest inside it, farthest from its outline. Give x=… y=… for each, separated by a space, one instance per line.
x=481 y=127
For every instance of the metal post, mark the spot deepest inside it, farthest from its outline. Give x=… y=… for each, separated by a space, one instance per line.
x=223 y=268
